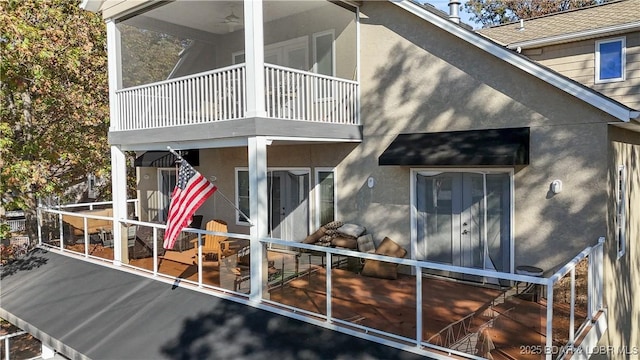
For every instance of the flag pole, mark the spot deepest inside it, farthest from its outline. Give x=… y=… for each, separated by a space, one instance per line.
x=219 y=192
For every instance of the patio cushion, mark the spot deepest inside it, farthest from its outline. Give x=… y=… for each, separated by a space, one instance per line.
x=366 y=244
x=315 y=237
x=383 y=269
x=333 y=225
x=352 y=230
x=345 y=242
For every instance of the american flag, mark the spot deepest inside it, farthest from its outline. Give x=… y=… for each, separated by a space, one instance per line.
x=192 y=189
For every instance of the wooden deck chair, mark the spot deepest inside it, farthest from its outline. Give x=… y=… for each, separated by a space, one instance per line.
x=215 y=244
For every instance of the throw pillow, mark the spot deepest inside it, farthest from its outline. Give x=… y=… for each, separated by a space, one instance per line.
x=315 y=237
x=352 y=230
x=345 y=242
x=382 y=269
x=333 y=225
x=366 y=244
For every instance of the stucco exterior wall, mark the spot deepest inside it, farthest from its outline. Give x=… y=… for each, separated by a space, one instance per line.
x=416 y=78
x=622 y=274
x=576 y=60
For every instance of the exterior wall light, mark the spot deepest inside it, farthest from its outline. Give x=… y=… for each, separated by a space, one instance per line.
x=556 y=186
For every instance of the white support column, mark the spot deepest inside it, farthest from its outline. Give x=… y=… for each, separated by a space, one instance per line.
x=115 y=72
x=119 y=196
x=258 y=214
x=254 y=58
x=118 y=159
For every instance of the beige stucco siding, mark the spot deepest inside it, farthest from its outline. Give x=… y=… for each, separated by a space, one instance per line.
x=576 y=60
x=622 y=275
x=417 y=78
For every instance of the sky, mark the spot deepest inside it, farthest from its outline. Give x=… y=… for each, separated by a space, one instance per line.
x=444 y=6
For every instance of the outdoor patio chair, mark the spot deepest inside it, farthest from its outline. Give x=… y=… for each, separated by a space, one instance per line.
x=215 y=245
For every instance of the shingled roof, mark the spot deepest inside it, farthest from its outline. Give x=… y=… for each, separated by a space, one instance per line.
x=593 y=21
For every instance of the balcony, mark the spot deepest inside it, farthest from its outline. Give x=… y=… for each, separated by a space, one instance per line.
x=499 y=315
x=220 y=95
x=191 y=65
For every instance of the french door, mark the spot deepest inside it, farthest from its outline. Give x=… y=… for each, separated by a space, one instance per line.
x=464 y=219
x=288 y=204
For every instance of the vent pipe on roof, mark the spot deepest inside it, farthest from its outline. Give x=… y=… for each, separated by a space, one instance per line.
x=454 y=11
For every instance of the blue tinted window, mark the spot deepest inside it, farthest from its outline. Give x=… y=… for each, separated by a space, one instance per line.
x=611 y=60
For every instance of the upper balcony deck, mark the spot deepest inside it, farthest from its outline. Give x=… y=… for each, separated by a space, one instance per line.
x=186 y=76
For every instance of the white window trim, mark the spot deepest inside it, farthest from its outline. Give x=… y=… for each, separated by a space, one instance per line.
x=622 y=62
x=316 y=193
x=621 y=211
x=333 y=50
x=414 y=206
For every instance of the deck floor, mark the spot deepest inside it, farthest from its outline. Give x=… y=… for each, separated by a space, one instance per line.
x=514 y=328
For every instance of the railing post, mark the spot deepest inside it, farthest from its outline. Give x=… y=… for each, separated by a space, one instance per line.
x=85 y=223
x=418 y=305
x=572 y=309
x=200 y=260
x=328 y=285
x=39 y=220
x=155 y=251
x=61 y=231
x=549 y=330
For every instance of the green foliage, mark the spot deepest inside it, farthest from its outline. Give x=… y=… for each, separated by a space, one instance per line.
x=54 y=98
x=5 y=230
x=494 y=12
x=147 y=56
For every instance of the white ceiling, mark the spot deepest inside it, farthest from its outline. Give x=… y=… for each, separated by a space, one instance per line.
x=209 y=15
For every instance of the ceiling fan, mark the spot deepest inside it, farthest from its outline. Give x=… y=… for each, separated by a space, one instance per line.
x=232 y=20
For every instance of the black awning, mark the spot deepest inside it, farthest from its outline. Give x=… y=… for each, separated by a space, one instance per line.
x=166 y=159
x=460 y=148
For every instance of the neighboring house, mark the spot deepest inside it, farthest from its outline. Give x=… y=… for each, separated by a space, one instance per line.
x=599 y=47
x=473 y=158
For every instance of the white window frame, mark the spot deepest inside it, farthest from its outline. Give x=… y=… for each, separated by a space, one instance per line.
x=317 y=195
x=621 y=211
x=598 y=79
x=161 y=204
x=414 y=206
x=333 y=50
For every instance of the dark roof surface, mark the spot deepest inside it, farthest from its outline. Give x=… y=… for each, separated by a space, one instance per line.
x=89 y=310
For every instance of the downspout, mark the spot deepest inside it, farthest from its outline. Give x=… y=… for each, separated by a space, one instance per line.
x=454 y=11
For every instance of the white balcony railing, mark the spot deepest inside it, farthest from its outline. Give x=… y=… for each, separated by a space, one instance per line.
x=302 y=95
x=221 y=95
x=201 y=98
x=17 y=225
x=593 y=293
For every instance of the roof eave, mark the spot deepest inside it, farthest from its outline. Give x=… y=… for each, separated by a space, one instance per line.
x=601 y=102
x=563 y=38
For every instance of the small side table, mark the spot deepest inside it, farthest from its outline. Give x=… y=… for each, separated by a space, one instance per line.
x=531 y=271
